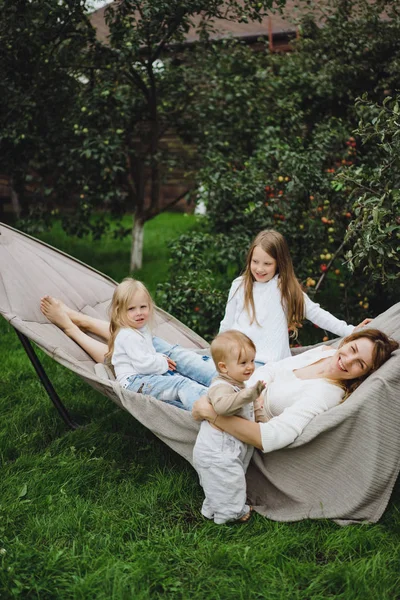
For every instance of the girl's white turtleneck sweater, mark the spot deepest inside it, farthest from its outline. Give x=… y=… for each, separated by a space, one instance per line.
x=270 y=334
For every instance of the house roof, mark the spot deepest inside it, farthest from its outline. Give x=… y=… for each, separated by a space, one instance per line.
x=274 y=25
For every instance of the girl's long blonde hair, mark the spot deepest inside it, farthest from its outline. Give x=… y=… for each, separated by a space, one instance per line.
x=274 y=244
x=119 y=309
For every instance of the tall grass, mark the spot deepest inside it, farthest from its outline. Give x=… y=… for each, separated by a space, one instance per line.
x=109 y=512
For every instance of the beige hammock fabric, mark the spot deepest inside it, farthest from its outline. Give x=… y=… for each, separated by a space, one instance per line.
x=343 y=466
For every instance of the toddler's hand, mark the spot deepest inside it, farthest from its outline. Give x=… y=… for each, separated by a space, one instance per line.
x=260 y=387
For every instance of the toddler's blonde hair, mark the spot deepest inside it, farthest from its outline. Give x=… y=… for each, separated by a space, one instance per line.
x=228 y=343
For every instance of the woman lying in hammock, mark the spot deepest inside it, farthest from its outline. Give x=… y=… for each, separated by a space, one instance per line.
x=300 y=387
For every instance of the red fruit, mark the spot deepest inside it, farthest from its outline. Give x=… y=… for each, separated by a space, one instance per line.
x=282 y=217
x=311 y=198
x=196 y=309
x=324 y=220
x=267 y=188
x=323 y=267
x=348 y=215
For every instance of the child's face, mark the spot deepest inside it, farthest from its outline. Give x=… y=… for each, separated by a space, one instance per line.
x=262 y=265
x=239 y=367
x=138 y=310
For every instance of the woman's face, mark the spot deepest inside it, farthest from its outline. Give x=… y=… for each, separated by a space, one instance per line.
x=352 y=360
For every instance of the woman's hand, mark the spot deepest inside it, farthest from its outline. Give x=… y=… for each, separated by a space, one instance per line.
x=202 y=409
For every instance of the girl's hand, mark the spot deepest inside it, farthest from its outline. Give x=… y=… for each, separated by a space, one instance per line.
x=362 y=324
x=171 y=364
x=202 y=409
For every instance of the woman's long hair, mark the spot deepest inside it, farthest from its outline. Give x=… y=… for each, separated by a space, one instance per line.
x=274 y=244
x=119 y=309
x=383 y=348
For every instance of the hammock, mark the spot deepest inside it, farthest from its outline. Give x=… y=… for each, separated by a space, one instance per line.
x=343 y=466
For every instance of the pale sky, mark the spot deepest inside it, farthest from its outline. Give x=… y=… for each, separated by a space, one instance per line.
x=95 y=4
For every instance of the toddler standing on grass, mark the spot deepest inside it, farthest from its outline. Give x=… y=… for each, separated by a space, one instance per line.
x=220 y=459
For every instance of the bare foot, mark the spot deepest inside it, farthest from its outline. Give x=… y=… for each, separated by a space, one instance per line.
x=73 y=314
x=56 y=312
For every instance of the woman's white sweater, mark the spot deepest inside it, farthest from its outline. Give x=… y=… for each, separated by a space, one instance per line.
x=291 y=403
x=270 y=335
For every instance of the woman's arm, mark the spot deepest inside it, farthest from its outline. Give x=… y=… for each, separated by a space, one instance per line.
x=245 y=431
x=280 y=431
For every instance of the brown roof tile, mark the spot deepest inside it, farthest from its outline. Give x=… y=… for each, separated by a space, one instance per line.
x=274 y=23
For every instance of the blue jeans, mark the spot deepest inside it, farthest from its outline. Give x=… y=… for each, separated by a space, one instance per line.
x=182 y=387
x=171 y=387
x=188 y=363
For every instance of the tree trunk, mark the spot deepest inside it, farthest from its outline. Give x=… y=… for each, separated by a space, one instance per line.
x=137 y=243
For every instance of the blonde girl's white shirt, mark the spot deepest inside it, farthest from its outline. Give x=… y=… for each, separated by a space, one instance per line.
x=270 y=332
x=134 y=354
x=291 y=403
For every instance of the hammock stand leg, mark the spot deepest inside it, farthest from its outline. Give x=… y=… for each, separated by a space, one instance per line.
x=41 y=373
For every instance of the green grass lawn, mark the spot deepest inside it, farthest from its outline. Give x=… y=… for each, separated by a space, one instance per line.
x=109 y=512
x=112 y=256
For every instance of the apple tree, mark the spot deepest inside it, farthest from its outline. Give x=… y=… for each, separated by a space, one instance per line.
x=40 y=43
x=374 y=233
x=275 y=131
x=88 y=119
x=136 y=96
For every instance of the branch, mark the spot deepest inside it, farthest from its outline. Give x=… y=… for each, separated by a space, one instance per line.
x=360 y=186
x=172 y=203
x=134 y=75
x=167 y=35
x=321 y=279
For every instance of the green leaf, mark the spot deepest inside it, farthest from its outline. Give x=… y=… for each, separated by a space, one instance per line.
x=23 y=491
